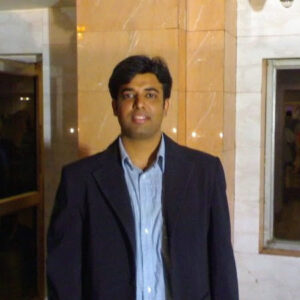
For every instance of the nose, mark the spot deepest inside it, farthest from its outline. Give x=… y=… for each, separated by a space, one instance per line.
x=139 y=101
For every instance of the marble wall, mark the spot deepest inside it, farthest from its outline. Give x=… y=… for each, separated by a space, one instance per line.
x=193 y=45
x=265 y=29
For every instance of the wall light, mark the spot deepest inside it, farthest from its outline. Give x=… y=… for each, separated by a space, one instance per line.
x=286 y=3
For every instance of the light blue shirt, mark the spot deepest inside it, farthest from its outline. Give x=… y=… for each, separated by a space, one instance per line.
x=145 y=190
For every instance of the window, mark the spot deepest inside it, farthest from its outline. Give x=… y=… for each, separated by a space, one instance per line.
x=282 y=156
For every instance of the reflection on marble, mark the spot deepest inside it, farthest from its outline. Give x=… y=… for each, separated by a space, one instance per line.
x=100 y=52
x=205 y=15
x=23 y=26
x=205 y=63
x=205 y=121
x=133 y=15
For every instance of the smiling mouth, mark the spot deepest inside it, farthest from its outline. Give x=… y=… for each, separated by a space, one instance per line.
x=139 y=119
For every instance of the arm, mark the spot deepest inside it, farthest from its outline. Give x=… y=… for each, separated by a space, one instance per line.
x=64 y=244
x=223 y=277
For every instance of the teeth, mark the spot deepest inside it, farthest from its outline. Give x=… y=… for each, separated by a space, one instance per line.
x=140 y=117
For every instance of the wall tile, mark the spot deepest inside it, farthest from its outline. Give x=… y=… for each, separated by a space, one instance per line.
x=133 y=15
x=100 y=52
x=98 y=127
x=205 y=121
x=205 y=61
x=205 y=15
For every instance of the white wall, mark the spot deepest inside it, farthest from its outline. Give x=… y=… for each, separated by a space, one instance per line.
x=269 y=31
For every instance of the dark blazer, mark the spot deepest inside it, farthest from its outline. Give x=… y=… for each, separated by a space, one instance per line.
x=91 y=239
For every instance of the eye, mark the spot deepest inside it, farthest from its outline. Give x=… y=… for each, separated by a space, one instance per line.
x=151 y=95
x=128 y=95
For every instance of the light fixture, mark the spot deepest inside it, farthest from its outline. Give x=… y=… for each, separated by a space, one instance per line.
x=286 y=3
x=174 y=130
x=194 y=134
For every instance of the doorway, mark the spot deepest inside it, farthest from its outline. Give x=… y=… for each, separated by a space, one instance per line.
x=21 y=180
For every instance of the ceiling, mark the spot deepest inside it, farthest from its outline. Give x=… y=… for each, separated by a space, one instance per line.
x=30 y=4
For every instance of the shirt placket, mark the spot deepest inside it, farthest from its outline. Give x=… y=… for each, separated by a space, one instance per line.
x=146 y=237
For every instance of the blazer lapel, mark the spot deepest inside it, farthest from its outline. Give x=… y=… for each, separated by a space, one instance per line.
x=177 y=175
x=111 y=181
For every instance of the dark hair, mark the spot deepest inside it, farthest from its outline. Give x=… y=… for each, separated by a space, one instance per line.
x=125 y=70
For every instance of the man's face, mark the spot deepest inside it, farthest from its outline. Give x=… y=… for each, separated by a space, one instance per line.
x=140 y=107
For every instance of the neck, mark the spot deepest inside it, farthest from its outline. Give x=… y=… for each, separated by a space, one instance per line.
x=142 y=152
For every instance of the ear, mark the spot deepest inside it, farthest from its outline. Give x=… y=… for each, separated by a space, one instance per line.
x=166 y=106
x=114 y=106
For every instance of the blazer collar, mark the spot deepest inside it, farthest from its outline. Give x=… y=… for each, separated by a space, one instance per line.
x=111 y=181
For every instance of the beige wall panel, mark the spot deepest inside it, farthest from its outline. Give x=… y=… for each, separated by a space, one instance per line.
x=127 y=15
x=230 y=64
x=230 y=16
x=205 y=61
x=205 y=121
x=229 y=122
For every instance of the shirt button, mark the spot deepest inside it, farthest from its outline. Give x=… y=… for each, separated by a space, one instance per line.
x=146 y=231
x=149 y=290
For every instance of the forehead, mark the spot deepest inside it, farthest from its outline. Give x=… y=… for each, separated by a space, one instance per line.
x=145 y=80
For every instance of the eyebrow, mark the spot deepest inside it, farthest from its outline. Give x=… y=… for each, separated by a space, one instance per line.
x=152 y=89
x=128 y=89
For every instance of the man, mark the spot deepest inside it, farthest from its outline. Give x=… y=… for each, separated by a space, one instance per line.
x=146 y=218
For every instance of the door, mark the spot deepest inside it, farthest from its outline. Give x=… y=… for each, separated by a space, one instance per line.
x=21 y=181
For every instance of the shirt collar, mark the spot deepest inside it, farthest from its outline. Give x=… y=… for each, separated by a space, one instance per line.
x=160 y=157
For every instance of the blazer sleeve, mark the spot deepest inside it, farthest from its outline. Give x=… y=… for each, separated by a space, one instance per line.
x=223 y=277
x=64 y=244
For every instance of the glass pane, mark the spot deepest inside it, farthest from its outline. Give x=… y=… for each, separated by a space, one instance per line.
x=17 y=134
x=18 y=255
x=287 y=156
